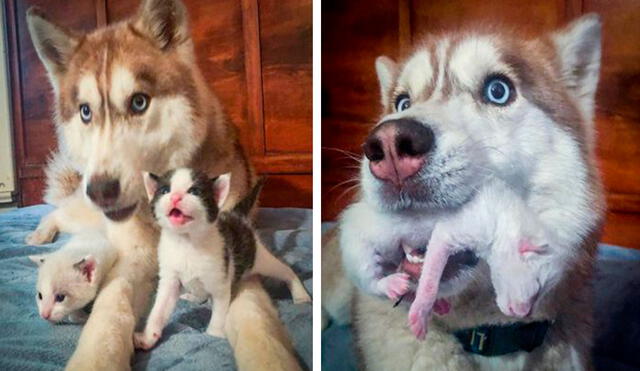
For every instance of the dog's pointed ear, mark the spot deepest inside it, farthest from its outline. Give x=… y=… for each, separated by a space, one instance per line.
x=165 y=22
x=54 y=44
x=386 y=69
x=150 y=184
x=38 y=259
x=578 y=49
x=87 y=266
x=221 y=186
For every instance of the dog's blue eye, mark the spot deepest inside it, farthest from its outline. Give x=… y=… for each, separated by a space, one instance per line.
x=403 y=102
x=139 y=103
x=498 y=90
x=59 y=298
x=85 y=113
x=164 y=190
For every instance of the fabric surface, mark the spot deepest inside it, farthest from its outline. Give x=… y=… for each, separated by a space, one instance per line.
x=28 y=342
x=617 y=316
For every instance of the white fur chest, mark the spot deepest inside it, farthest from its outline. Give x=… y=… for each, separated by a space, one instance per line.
x=197 y=264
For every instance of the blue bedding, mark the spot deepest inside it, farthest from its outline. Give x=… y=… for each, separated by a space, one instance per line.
x=617 y=316
x=28 y=342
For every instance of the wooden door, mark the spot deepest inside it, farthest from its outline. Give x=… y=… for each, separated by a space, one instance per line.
x=256 y=56
x=355 y=32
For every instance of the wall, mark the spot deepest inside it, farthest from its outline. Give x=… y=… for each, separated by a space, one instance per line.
x=256 y=56
x=360 y=31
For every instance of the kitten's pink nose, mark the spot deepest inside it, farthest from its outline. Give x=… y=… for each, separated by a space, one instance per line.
x=45 y=315
x=175 y=198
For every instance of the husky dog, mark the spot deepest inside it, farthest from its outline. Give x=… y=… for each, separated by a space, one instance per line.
x=129 y=97
x=462 y=109
x=204 y=250
x=68 y=279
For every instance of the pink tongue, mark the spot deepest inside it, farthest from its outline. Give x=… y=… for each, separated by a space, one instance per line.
x=176 y=217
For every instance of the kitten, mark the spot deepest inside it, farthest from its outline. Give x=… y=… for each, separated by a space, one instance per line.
x=204 y=250
x=69 y=278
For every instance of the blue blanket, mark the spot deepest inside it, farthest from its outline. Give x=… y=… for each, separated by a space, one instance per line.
x=28 y=342
x=617 y=317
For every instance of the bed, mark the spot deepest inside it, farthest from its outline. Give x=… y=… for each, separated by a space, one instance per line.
x=28 y=342
x=617 y=317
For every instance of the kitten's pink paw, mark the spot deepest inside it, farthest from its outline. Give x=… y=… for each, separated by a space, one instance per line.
x=142 y=340
x=441 y=307
x=397 y=285
x=418 y=320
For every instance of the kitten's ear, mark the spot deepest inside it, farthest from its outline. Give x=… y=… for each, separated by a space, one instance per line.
x=38 y=259
x=221 y=186
x=87 y=266
x=386 y=69
x=150 y=184
x=164 y=22
x=54 y=44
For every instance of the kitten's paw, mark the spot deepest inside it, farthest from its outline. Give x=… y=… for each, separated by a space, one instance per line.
x=299 y=294
x=396 y=285
x=441 y=307
x=40 y=237
x=217 y=332
x=418 y=318
x=144 y=340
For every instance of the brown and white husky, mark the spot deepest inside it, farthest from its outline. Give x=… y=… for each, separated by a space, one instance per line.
x=463 y=109
x=129 y=97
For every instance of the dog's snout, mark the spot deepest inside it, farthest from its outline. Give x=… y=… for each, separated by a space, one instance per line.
x=103 y=191
x=397 y=149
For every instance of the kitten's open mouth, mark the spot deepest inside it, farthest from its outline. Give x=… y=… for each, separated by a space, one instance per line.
x=177 y=217
x=121 y=214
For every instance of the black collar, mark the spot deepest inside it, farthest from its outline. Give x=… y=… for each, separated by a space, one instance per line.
x=497 y=340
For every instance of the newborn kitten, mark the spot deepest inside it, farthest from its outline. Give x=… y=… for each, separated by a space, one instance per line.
x=69 y=278
x=501 y=229
x=204 y=250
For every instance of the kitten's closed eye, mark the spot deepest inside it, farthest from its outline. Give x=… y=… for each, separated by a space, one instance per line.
x=39 y=296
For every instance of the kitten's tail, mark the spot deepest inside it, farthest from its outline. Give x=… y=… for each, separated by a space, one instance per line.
x=246 y=204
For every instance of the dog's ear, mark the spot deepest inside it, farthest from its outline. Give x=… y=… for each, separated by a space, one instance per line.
x=165 y=22
x=221 y=187
x=54 y=44
x=386 y=69
x=150 y=184
x=578 y=51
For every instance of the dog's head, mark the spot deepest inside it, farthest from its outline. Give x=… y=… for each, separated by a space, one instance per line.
x=468 y=106
x=125 y=99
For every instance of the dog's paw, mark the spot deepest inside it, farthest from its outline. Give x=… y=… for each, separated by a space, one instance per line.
x=40 y=237
x=396 y=285
x=418 y=318
x=216 y=332
x=145 y=340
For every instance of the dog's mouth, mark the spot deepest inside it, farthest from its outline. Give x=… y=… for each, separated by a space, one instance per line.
x=120 y=214
x=458 y=262
x=178 y=218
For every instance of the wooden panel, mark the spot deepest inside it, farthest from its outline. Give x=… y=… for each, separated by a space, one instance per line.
x=287 y=190
x=286 y=46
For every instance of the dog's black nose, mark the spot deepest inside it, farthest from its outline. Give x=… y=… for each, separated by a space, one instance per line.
x=103 y=191
x=404 y=137
x=397 y=149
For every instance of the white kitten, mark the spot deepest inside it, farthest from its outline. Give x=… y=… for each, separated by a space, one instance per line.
x=203 y=250
x=69 y=278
